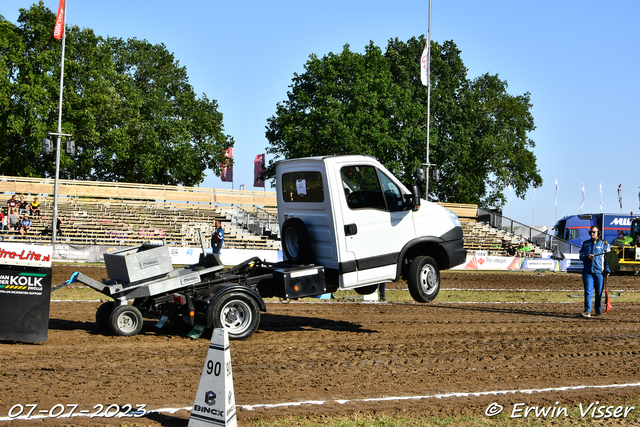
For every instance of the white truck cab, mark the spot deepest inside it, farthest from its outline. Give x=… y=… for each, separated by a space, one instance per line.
x=350 y=215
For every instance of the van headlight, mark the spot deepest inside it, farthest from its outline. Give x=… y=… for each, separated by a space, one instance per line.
x=454 y=218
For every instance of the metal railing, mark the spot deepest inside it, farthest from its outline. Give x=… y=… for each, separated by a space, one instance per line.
x=260 y=223
x=534 y=235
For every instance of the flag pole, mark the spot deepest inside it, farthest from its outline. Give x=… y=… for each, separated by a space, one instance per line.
x=426 y=196
x=54 y=218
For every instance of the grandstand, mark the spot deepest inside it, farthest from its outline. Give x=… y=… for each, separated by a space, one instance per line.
x=129 y=214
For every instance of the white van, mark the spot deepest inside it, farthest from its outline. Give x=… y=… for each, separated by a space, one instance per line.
x=353 y=217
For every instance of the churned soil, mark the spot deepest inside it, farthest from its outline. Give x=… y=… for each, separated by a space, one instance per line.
x=444 y=358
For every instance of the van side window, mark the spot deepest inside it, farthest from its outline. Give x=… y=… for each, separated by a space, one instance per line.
x=302 y=187
x=362 y=187
x=392 y=194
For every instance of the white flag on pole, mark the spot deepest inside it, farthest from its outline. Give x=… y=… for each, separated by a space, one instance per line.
x=620 y=196
x=600 y=197
x=556 y=192
x=582 y=201
x=424 y=64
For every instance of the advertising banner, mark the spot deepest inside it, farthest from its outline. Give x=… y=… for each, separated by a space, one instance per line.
x=20 y=254
x=25 y=293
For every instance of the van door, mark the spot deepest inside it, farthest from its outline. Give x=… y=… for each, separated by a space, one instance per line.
x=377 y=224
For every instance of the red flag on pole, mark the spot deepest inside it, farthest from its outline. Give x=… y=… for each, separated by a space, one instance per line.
x=227 y=167
x=58 y=31
x=258 y=168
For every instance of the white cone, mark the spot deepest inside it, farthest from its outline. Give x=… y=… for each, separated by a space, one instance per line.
x=215 y=402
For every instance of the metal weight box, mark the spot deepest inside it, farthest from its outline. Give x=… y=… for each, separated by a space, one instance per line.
x=138 y=263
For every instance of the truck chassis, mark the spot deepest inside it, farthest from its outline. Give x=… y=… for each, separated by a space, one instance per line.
x=205 y=293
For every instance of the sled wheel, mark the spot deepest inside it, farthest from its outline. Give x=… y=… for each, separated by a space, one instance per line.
x=238 y=314
x=424 y=279
x=296 y=243
x=125 y=320
x=103 y=313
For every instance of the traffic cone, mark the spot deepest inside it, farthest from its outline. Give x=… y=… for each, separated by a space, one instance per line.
x=215 y=402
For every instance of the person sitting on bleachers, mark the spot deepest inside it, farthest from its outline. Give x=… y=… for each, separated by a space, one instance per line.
x=3 y=221
x=25 y=225
x=22 y=206
x=14 y=220
x=12 y=203
x=511 y=251
x=523 y=249
x=35 y=208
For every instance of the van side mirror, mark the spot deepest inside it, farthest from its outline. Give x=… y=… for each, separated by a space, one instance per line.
x=415 y=191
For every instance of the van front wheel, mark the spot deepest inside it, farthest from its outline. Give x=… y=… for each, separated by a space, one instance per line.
x=424 y=279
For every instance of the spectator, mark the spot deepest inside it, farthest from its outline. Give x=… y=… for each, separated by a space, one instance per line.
x=511 y=251
x=527 y=249
x=382 y=287
x=35 y=208
x=217 y=237
x=59 y=226
x=521 y=252
x=25 y=225
x=14 y=219
x=3 y=221
x=595 y=269
x=22 y=206
x=12 y=203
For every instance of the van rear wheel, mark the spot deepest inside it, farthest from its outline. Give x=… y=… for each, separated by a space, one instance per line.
x=424 y=279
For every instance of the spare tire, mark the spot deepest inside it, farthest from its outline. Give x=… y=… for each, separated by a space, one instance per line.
x=296 y=243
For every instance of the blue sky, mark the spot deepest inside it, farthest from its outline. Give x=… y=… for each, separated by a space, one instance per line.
x=578 y=59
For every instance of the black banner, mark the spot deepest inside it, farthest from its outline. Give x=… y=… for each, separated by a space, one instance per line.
x=25 y=294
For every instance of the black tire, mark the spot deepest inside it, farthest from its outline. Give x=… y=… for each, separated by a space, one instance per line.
x=125 y=320
x=238 y=313
x=296 y=243
x=103 y=314
x=366 y=290
x=424 y=279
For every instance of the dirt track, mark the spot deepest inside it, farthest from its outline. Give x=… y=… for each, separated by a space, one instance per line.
x=343 y=351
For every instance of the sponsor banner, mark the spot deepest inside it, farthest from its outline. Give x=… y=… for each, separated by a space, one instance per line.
x=25 y=293
x=539 y=263
x=571 y=265
x=87 y=253
x=474 y=262
x=20 y=254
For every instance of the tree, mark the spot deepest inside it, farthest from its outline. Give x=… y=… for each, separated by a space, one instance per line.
x=374 y=103
x=128 y=105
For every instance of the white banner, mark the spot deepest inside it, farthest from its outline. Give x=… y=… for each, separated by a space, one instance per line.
x=25 y=254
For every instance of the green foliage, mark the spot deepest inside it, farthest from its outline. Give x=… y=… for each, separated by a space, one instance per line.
x=374 y=103
x=128 y=104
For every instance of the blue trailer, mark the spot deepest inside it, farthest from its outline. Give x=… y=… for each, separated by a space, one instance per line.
x=575 y=228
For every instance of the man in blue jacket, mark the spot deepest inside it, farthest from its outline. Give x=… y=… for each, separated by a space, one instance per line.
x=595 y=270
x=217 y=237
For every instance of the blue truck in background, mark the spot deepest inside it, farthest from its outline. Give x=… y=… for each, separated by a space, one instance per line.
x=575 y=228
